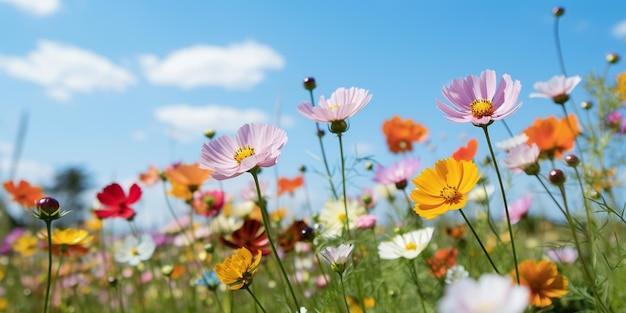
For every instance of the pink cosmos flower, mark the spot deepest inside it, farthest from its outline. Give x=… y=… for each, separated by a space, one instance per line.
x=557 y=88
x=478 y=100
x=523 y=158
x=397 y=172
x=519 y=208
x=564 y=255
x=490 y=293
x=254 y=145
x=365 y=221
x=343 y=104
x=616 y=120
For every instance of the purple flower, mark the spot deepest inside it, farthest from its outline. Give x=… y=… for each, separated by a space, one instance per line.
x=343 y=104
x=255 y=145
x=10 y=239
x=564 y=255
x=478 y=100
x=519 y=208
x=616 y=120
x=397 y=172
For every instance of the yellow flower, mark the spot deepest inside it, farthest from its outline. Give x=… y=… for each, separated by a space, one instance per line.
x=620 y=86
x=180 y=191
x=444 y=187
x=69 y=241
x=26 y=245
x=543 y=280
x=238 y=270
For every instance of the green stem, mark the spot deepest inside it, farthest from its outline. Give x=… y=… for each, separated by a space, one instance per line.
x=588 y=275
x=550 y=194
x=413 y=270
x=266 y=225
x=319 y=136
x=506 y=206
x=493 y=265
x=590 y=233
x=255 y=299
x=219 y=303
x=557 y=41
x=343 y=292
x=49 y=231
x=488 y=205
x=346 y=221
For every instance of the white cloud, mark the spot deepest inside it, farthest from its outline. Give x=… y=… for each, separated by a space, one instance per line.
x=64 y=70
x=187 y=122
x=619 y=30
x=36 y=7
x=237 y=66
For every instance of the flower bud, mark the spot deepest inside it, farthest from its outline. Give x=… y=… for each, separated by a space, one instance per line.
x=309 y=83
x=338 y=127
x=369 y=166
x=558 y=11
x=209 y=133
x=302 y=169
x=401 y=184
x=307 y=234
x=320 y=133
x=209 y=248
x=586 y=105
x=48 y=205
x=557 y=177
x=112 y=281
x=560 y=99
x=167 y=270
x=612 y=58
x=572 y=160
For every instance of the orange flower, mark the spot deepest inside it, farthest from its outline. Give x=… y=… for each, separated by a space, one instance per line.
x=543 y=280
x=289 y=185
x=552 y=136
x=401 y=134
x=441 y=261
x=456 y=232
x=466 y=153
x=189 y=175
x=24 y=194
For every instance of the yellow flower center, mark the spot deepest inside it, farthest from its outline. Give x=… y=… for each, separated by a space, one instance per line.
x=450 y=194
x=341 y=217
x=481 y=108
x=242 y=153
x=333 y=107
x=134 y=251
x=410 y=246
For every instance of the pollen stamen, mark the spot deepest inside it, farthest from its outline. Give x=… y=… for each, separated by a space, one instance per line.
x=243 y=152
x=481 y=108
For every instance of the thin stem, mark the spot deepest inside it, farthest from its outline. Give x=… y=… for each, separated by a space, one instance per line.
x=508 y=130
x=255 y=299
x=557 y=41
x=319 y=136
x=343 y=291
x=550 y=194
x=266 y=225
x=219 y=303
x=588 y=275
x=411 y=266
x=49 y=231
x=489 y=221
x=346 y=222
x=590 y=233
x=479 y=242
x=506 y=206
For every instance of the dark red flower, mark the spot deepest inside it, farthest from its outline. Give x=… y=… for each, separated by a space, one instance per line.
x=116 y=203
x=288 y=239
x=251 y=235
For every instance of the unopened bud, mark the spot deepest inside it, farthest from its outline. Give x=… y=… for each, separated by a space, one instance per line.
x=369 y=166
x=338 y=127
x=309 y=83
x=572 y=160
x=558 y=11
x=557 y=177
x=612 y=58
x=586 y=105
x=209 y=133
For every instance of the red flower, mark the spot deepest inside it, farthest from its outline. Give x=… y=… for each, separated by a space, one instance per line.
x=116 y=203
x=466 y=153
x=251 y=235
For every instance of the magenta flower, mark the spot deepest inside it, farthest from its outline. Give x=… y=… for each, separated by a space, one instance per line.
x=557 y=88
x=616 y=120
x=397 y=173
x=365 y=221
x=254 y=145
x=478 y=100
x=519 y=208
x=343 y=104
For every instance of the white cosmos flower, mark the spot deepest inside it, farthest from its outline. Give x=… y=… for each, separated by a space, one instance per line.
x=509 y=143
x=522 y=158
x=133 y=251
x=337 y=257
x=407 y=246
x=490 y=294
x=333 y=216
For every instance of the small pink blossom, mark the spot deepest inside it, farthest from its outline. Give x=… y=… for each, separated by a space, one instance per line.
x=564 y=255
x=366 y=221
x=522 y=158
x=557 y=88
x=397 y=172
x=519 y=208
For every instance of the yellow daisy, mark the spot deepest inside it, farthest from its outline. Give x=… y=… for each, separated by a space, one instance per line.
x=238 y=270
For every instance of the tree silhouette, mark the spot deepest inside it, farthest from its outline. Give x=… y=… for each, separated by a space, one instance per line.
x=70 y=183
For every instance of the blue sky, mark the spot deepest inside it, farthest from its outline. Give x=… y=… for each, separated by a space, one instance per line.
x=115 y=86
